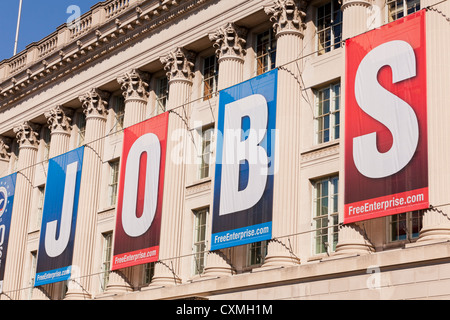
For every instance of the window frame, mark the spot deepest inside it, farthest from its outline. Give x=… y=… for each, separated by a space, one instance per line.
x=404 y=9
x=107 y=241
x=162 y=95
x=113 y=182
x=331 y=218
x=332 y=28
x=205 y=151
x=265 y=61
x=409 y=218
x=199 y=240
x=210 y=80
x=334 y=113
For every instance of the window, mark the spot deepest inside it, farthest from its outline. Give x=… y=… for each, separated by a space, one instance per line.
x=399 y=8
x=40 y=206
x=266 y=49
x=327 y=113
x=148 y=272
x=325 y=214
x=199 y=245
x=162 y=93
x=205 y=161
x=256 y=253
x=405 y=226
x=113 y=182
x=81 y=124
x=329 y=27
x=32 y=273
x=210 y=77
x=46 y=139
x=106 y=259
x=118 y=105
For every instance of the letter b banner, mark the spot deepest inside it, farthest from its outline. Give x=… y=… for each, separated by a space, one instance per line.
x=386 y=168
x=245 y=162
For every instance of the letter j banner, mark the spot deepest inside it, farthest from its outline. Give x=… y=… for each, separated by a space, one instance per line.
x=59 y=218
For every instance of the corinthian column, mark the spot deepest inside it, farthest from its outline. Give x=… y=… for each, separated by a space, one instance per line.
x=230 y=42
x=134 y=85
x=94 y=105
x=26 y=134
x=351 y=239
x=287 y=17
x=179 y=65
x=59 y=123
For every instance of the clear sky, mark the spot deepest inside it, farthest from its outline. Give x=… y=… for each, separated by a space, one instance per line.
x=39 y=19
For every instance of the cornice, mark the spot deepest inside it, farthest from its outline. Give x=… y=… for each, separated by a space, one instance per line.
x=134 y=22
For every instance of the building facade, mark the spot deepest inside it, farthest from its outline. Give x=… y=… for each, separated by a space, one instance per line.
x=126 y=62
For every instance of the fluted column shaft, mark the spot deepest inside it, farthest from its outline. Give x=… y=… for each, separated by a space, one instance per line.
x=14 y=270
x=180 y=75
x=288 y=26
x=94 y=105
x=351 y=239
x=134 y=88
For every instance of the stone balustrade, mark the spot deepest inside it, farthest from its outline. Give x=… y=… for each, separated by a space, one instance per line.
x=105 y=22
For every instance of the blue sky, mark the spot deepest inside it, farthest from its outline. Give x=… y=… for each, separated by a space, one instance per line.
x=39 y=19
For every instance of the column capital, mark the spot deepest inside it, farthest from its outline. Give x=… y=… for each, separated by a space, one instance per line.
x=26 y=134
x=230 y=41
x=179 y=64
x=134 y=85
x=58 y=120
x=287 y=16
x=95 y=103
x=349 y=3
x=4 y=148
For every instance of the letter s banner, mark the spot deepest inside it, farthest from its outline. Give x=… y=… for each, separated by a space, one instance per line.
x=386 y=161
x=141 y=183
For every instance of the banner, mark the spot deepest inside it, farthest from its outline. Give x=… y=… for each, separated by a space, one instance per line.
x=7 y=190
x=59 y=218
x=141 y=184
x=386 y=168
x=245 y=164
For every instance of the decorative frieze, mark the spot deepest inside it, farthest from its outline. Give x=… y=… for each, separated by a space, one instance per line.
x=58 y=120
x=134 y=85
x=287 y=15
x=95 y=103
x=230 y=41
x=179 y=64
x=26 y=134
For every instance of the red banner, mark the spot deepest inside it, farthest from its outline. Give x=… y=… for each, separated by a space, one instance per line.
x=386 y=161
x=141 y=183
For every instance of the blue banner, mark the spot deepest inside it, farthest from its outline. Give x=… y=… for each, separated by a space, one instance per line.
x=7 y=190
x=245 y=163
x=59 y=218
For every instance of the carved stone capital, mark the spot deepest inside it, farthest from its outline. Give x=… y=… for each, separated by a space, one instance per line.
x=26 y=134
x=134 y=85
x=287 y=15
x=58 y=119
x=230 y=41
x=179 y=64
x=95 y=103
x=4 y=148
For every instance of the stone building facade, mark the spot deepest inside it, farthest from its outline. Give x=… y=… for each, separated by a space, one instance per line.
x=130 y=60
